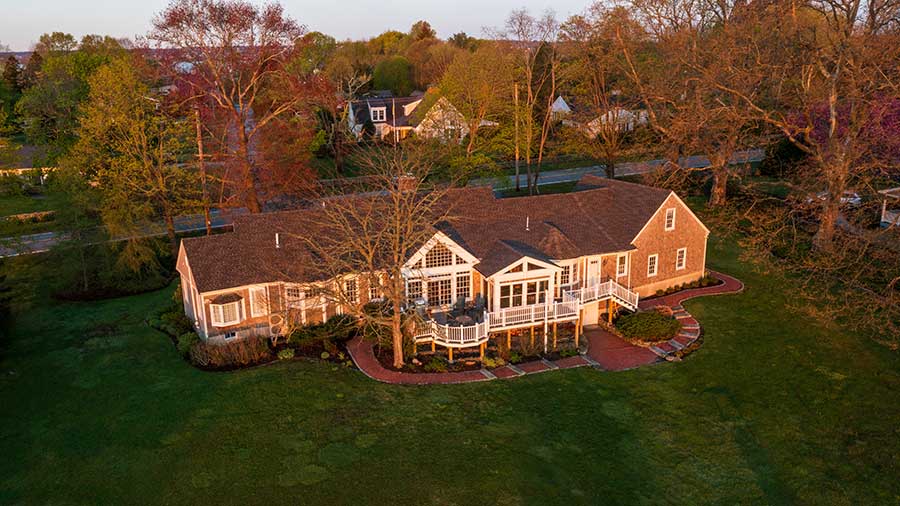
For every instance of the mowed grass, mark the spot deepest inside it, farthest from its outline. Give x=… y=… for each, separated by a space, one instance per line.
x=775 y=408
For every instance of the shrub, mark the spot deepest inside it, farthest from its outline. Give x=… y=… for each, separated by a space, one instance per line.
x=286 y=354
x=232 y=354
x=186 y=341
x=491 y=363
x=435 y=365
x=660 y=293
x=175 y=323
x=514 y=357
x=648 y=326
x=568 y=352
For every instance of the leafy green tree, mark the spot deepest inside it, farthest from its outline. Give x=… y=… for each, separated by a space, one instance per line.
x=12 y=74
x=129 y=149
x=394 y=74
x=463 y=41
x=390 y=42
x=32 y=67
x=55 y=43
x=49 y=109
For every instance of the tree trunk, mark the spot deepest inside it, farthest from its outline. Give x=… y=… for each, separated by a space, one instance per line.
x=202 y=166
x=251 y=200
x=718 y=193
x=397 y=336
x=170 y=232
x=824 y=238
x=609 y=166
x=516 y=120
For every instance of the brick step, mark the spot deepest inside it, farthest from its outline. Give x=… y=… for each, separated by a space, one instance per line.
x=675 y=344
x=659 y=352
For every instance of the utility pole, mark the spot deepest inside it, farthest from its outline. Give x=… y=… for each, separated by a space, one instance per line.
x=202 y=167
x=516 y=119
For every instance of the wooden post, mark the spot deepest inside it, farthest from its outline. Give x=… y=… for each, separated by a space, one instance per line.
x=532 y=337
x=481 y=352
x=577 y=327
x=508 y=340
x=612 y=308
x=432 y=346
x=554 y=335
x=450 y=353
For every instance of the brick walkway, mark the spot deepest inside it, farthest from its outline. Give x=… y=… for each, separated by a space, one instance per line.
x=605 y=350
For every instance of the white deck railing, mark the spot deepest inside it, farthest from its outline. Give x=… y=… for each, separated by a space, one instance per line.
x=529 y=315
x=601 y=291
x=891 y=217
x=523 y=316
x=452 y=336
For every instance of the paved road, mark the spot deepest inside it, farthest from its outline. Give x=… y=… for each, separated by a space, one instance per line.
x=36 y=243
x=622 y=169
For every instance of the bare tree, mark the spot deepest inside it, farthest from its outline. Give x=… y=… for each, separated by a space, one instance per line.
x=531 y=39
x=370 y=237
x=229 y=52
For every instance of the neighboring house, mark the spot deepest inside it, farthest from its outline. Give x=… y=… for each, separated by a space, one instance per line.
x=520 y=262
x=625 y=118
x=890 y=207
x=395 y=118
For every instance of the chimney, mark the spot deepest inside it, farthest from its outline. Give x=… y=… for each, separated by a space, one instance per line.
x=528 y=224
x=277 y=240
x=407 y=183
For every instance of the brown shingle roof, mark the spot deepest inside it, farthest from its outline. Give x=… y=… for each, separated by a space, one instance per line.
x=604 y=216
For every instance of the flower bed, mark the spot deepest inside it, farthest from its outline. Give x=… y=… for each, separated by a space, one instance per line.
x=706 y=280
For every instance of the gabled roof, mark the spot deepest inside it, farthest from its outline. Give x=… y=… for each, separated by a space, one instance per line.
x=392 y=107
x=601 y=216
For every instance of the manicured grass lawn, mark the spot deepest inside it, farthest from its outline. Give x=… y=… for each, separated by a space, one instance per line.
x=773 y=409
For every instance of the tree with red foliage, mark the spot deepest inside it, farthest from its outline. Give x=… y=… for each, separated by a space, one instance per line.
x=230 y=55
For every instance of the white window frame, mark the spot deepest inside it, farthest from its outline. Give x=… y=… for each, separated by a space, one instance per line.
x=672 y=227
x=468 y=285
x=682 y=255
x=374 y=292
x=254 y=301
x=351 y=290
x=381 y=116
x=654 y=264
x=621 y=261
x=217 y=314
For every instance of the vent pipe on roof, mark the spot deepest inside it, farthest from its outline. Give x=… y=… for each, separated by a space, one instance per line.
x=277 y=240
x=527 y=224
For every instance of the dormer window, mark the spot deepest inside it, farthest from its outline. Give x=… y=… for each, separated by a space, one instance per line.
x=670 y=219
x=378 y=113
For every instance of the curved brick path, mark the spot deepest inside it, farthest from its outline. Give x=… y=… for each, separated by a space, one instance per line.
x=605 y=350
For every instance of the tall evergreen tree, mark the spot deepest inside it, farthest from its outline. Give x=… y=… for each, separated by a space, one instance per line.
x=12 y=74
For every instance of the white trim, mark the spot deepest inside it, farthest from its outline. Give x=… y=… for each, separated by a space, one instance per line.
x=683 y=259
x=217 y=313
x=655 y=258
x=619 y=257
x=666 y=222
x=253 y=301
x=438 y=237
x=382 y=110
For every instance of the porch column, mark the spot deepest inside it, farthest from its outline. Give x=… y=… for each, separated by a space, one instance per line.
x=554 y=335
x=450 y=354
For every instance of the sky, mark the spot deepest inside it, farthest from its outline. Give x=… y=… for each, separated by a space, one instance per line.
x=23 y=21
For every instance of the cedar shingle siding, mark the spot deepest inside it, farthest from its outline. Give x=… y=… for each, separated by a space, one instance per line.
x=599 y=220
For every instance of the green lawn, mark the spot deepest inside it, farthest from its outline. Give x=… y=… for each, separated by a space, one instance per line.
x=773 y=409
x=19 y=204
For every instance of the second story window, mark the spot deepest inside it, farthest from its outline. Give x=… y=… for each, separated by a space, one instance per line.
x=621 y=265
x=378 y=113
x=670 y=219
x=350 y=291
x=652 y=262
